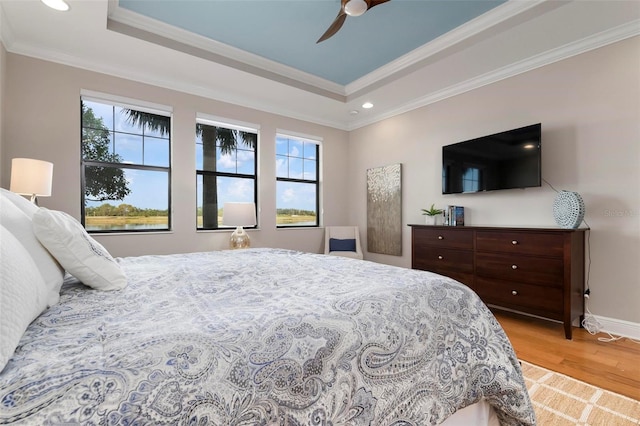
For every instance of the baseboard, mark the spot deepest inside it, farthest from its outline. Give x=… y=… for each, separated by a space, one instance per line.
x=618 y=327
x=613 y=326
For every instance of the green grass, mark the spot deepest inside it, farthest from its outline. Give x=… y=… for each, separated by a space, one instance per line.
x=93 y=221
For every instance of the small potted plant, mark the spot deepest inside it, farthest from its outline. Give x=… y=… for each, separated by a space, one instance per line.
x=432 y=214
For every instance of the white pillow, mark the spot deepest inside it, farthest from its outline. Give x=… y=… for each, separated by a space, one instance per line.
x=22 y=203
x=82 y=256
x=15 y=215
x=21 y=300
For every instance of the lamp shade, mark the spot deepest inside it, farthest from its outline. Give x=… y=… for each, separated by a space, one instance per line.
x=239 y=214
x=31 y=177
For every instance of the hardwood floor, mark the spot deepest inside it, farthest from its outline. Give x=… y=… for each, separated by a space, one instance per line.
x=614 y=366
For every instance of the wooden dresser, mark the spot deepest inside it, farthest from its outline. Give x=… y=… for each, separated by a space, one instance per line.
x=537 y=271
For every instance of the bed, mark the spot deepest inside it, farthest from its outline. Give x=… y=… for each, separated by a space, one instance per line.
x=257 y=337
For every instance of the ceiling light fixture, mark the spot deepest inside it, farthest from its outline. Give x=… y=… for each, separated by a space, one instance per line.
x=60 y=5
x=355 y=7
x=367 y=105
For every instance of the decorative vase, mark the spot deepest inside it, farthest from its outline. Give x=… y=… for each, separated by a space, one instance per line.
x=430 y=220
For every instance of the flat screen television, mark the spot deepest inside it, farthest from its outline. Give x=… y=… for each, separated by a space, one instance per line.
x=505 y=160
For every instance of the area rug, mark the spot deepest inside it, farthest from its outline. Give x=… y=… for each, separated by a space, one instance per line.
x=560 y=400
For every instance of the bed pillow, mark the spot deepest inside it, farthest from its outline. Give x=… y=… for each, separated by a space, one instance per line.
x=82 y=256
x=21 y=300
x=336 y=244
x=16 y=215
x=20 y=202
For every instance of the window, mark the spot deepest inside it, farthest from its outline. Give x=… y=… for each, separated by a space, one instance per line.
x=297 y=176
x=126 y=167
x=226 y=165
x=471 y=179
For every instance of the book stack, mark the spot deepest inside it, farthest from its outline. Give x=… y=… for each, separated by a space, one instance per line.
x=454 y=216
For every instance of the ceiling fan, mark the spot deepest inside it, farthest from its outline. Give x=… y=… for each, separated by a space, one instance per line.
x=351 y=8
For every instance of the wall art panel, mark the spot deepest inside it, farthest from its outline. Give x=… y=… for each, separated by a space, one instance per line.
x=384 y=210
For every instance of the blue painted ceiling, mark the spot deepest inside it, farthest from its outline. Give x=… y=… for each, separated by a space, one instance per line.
x=286 y=31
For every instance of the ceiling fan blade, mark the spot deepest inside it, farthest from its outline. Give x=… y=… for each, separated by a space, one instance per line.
x=334 y=27
x=372 y=3
x=342 y=15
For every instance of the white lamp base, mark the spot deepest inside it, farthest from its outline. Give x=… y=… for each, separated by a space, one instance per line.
x=239 y=239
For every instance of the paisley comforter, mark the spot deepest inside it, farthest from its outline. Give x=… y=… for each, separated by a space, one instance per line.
x=262 y=337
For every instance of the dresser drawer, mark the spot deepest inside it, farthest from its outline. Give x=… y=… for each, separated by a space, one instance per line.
x=528 y=270
x=523 y=269
x=529 y=298
x=442 y=259
x=462 y=239
x=541 y=244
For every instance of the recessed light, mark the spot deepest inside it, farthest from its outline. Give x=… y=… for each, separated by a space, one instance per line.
x=367 y=105
x=60 y=5
x=353 y=112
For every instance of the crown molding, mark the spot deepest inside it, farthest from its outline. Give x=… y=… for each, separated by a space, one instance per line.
x=622 y=32
x=145 y=77
x=240 y=59
x=127 y=20
x=345 y=122
x=469 y=29
x=602 y=39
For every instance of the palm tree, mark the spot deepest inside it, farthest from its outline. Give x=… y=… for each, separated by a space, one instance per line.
x=226 y=139
x=158 y=123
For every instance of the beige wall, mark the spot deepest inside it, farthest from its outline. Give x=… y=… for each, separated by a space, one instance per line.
x=3 y=73
x=43 y=121
x=589 y=107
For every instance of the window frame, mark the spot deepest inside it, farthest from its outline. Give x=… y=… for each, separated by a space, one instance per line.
x=318 y=143
x=142 y=106
x=209 y=120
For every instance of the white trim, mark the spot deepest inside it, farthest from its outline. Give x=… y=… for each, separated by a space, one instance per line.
x=489 y=19
x=601 y=39
x=228 y=123
x=618 y=327
x=170 y=32
x=551 y=56
x=300 y=136
x=130 y=103
x=613 y=326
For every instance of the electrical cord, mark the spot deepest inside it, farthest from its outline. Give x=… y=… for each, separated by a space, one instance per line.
x=590 y=323
x=593 y=326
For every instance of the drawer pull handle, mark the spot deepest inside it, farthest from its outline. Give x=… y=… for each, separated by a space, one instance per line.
x=515 y=293
x=514 y=242
x=440 y=257
x=514 y=266
x=440 y=237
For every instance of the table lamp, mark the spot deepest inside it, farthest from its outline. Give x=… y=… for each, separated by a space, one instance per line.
x=239 y=215
x=31 y=177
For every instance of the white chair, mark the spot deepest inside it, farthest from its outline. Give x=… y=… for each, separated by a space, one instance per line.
x=346 y=241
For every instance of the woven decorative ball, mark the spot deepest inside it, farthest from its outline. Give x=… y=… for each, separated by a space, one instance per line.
x=568 y=209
